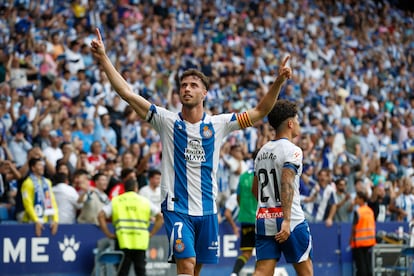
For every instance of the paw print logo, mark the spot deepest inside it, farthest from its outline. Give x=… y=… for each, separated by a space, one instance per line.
x=69 y=247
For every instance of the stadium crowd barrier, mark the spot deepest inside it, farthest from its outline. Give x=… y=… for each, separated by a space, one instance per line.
x=70 y=251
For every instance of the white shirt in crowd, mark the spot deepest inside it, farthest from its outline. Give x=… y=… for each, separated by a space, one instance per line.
x=67 y=200
x=153 y=195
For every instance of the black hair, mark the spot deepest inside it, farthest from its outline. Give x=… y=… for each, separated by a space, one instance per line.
x=33 y=162
x=97 y=175
x=235 y=146
x=60 y=163
x=80 y=172
x=153 y=172
x=130 y=185
x=362 y=195
x=282 y=110
x=337 y=181
x=126 y=171
x=60 y=178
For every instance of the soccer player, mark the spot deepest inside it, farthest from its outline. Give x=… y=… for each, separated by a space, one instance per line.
x=247 y=218
x=280 y=220
x=191 y=145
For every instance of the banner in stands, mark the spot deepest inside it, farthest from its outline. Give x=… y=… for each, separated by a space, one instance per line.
x=70 y=251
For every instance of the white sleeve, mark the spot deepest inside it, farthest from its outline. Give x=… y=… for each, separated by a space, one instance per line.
x=233 y=164
x=107 y=210
x=231 y=202
x=74 y=196
x=294 y=156
x=144 y=192
x=155 y=210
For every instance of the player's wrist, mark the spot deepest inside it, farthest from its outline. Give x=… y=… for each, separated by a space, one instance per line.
x=280 y=79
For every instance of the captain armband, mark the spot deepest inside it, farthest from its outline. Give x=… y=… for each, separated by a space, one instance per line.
x=244 y=120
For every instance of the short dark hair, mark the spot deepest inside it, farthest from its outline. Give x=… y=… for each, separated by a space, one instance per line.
x=80 y=172
x=59 y=163
x=128 y=111
x=362 y=195
x=64 y=143
x=33 y=162
x=97 y=175
x=60 y=178
x=339 y=180
x=153 y=172
x=194 y=72
x=282 y=110
x=130 y=185
x=235 y=146
x=126 y=171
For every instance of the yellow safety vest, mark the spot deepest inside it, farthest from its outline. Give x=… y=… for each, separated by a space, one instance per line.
x=364 y=230
x=131 y=214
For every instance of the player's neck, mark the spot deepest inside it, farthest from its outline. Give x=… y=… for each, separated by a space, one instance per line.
x=192 y=114
x=283 y=135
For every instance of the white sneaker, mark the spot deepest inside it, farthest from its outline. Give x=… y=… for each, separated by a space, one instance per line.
x=233 y=274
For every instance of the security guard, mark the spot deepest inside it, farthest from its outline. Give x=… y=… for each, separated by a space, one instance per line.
x=363 y=235
x=131 y=215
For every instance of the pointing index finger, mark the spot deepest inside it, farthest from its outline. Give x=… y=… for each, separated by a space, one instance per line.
x=98 y=34
x=285 y=60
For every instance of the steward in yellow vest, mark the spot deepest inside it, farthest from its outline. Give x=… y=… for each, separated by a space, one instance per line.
x=131 y=216
x=363 y=236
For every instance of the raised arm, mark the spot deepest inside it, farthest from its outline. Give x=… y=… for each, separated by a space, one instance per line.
x=138 y=103
x=268 y=101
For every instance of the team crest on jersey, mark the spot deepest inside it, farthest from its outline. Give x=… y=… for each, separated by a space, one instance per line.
x=207 y=132
x=179 y=245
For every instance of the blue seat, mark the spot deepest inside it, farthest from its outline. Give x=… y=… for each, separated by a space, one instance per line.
x=106 y=262
x=107 y=259
x=406 y=269
x=408 y=252
x=4 y=213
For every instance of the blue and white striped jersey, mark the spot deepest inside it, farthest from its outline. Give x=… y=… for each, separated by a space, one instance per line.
x=190 y=159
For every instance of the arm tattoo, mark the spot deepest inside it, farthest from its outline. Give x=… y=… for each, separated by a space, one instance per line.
x=288 y=179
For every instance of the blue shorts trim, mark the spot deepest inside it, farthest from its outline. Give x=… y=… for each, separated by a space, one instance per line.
x=297 y=248
x=192 y=236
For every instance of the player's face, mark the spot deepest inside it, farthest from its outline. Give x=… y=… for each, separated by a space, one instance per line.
x=192 y=91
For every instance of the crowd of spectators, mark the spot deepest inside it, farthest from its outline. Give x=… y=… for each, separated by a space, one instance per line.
x=353 y=78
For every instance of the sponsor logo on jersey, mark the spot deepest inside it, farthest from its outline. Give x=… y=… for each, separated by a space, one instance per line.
x=270 y=213
x=195 y=152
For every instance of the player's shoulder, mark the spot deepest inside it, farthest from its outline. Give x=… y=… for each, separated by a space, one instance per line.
x=286 y=148
x=217 y=118
x=162 y=111
x=281 y=144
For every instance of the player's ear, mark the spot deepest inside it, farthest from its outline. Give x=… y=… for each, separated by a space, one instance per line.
x=290 y=122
